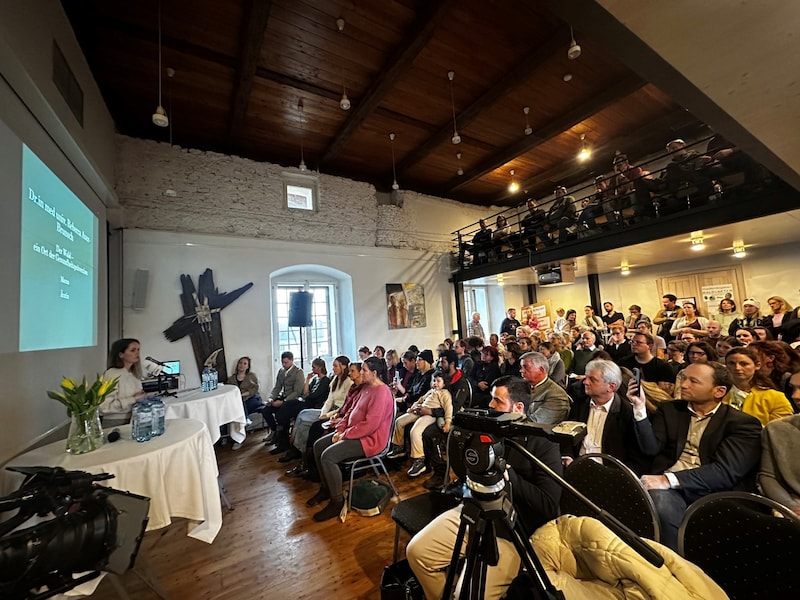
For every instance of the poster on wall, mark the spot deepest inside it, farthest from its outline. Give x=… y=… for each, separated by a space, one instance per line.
x=536 y=316
x=714 y=294
x=405 y=305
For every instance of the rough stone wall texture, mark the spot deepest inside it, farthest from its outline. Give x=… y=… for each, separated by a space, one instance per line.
x=229 y=195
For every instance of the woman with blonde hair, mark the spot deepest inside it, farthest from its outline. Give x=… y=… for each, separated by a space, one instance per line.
x=782 y=312
x=752 y=392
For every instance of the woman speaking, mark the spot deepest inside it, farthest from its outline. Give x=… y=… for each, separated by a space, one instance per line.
x=123 y=362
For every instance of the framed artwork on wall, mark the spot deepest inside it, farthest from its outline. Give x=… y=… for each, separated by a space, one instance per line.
x=405 y=305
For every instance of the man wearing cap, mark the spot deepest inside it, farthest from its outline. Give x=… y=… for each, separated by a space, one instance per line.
x=595 y=206
x=751 y=316
x=686 y=168
x=561 y=214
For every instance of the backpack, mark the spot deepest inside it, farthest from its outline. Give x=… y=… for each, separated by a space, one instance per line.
x=369 y=497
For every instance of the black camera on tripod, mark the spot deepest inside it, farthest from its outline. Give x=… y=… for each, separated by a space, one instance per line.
x=91 y=528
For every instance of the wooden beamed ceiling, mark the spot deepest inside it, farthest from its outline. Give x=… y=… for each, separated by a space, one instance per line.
x=244 y=67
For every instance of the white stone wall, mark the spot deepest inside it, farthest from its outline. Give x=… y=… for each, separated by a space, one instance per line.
x=229 y=195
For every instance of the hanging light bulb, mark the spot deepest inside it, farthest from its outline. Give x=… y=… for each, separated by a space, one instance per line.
x=300 y=107
x=698 y=243
x=585 y=152
x=344 y=103
x=624 y=268
x=528 y=128
x=739 y=249
x=456 y=139
x=574 y=50
x=459 y=171
x=395 y=185
x=160 y=116
x=513 y=187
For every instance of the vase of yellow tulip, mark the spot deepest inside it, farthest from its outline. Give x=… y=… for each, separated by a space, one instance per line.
x=83 y=403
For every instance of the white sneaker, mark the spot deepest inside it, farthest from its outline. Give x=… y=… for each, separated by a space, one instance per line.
x=236 y=446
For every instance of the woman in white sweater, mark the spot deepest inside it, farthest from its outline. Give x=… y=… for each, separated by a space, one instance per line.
x=690 y=321
x=123 y=362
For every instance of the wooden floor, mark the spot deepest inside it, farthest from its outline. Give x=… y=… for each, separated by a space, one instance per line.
x=269 y=547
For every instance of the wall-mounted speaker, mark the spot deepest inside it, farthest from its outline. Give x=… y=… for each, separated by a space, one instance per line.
x=300 y=309
x=139 y=296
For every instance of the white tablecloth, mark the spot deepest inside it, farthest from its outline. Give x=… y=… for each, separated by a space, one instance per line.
x=215 y=408
x=177 y=471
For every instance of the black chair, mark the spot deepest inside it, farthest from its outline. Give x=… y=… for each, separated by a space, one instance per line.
x=614 y=488
x=738 y=540
x=414 y=514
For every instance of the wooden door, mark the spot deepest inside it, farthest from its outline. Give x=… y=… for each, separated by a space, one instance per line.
x=706 y=287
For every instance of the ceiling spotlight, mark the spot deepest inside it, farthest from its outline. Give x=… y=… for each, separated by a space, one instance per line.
x=528 y=128
x=574 y=50
x=340 y=24
x=513 y=187
x=567 y=77
x=697 y=241
x=624 y=269
x=585 y=152
x=459 y=171
x=160 y=116
x=395 y=185
x=739 y=250
x=456 y=139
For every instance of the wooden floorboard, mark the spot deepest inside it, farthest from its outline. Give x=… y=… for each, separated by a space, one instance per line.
x=269 y=546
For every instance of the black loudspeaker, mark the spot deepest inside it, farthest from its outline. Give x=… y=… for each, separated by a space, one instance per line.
x=300 y=309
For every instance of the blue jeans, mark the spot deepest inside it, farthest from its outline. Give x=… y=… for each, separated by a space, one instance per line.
x=670 y=505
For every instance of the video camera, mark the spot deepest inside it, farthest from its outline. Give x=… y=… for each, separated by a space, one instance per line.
x=92 y=528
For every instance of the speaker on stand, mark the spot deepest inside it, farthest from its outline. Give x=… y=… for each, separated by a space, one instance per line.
x=300 y=315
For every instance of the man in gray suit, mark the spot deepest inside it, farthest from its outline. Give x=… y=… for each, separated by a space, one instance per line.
x=284 y=403
x=549 y=401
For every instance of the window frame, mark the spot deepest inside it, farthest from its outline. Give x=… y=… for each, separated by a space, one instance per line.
x=308 y=183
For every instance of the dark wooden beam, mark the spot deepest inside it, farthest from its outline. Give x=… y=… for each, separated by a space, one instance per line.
x=513 y=78
x=393 y=69
x=256 y=19
x=583 y=111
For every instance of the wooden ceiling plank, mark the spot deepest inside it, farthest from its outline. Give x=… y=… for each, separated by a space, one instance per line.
x=511 y=80
x=249 y=52
x=401 y=58
x=583 y=111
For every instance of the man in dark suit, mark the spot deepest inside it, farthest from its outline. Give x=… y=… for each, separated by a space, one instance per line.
x=699 y=446
x=608 y=417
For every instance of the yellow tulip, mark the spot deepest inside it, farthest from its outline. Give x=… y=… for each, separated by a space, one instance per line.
x=68 y=384
x=104 y=387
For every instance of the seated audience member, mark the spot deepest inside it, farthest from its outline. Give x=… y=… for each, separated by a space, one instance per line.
x=409 y=370
x=533 y=226
x=727 y=158
x=665 y=317
x=421 y=382
x=751 y=316
x=714 y=330
x=561 y=322
x=572 y=320
x=676 y=351
x=494 y=342
x=690 y=322
x=762 y=333
x=379 y=351
x=778 y=361
x=362 y=433
x=779 y=477
x=481 y=244
x=685 y=169
x=419 y=417
x=561 y=346
x=746 y=336
x=536 y=497
x=393 y=365
x=549 y=402
x=465 y=362
x=618 y=346
x=555 y=369
x=752 y=392
x=561 y=215
x=611 y=316
x=698 y=444
x=595 y=206
x=315 y=393
x=687 y=337
x=528 y=344
x=484 y=373
x=608 y=417
x=283 y=403
x=633 y=186
x=511 y=365
x=727 y=314
x=583 y=353
x=501 y=238
x=123 y=362
x=653 y=369
x=696 y=352
x=724 y=345
x=635 y=315
x=659 y=343
x=591 y=320
x=337 y=393
x=792 y=391
x=247 y=382
x=364 y=353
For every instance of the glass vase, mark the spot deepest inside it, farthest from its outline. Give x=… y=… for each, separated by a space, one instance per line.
x=85 y=432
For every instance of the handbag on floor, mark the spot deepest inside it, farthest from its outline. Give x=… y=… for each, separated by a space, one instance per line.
x=398 y=583
x=369 y=497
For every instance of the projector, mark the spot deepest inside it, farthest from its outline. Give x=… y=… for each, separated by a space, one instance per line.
x=550 y=277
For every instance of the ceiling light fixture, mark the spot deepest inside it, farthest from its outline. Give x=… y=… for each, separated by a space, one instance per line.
x=456 y=139
x=459 y=171
x=739 y=249
x=160 y=116
x=585 y=152
x=528 y=128
x=567 y=77
x=344 y=103
x=513 y=187
x=300 y=107
x=697 y=241
x=624 y=268
x=395 y=185
x=574 y=50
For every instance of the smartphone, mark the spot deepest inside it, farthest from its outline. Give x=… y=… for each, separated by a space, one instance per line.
x=637 y=376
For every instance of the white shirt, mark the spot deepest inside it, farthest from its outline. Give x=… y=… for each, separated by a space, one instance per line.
x=593 y=442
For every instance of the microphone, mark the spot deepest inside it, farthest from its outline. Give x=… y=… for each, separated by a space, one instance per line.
x=113 y=435
x=153 y=360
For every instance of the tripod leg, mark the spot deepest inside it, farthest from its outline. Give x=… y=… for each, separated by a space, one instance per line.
x=452 y=570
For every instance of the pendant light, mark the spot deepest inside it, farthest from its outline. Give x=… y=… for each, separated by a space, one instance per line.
x=585 y=151
x=160 y=116
x=456 y=139
x=344 y=103
x=395 y=185
x=574 y=50
x=300 y=107
x=513 y=187
x=528 y=128
x=459 y=171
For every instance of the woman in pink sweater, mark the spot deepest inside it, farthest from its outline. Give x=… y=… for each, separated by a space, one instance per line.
x=363 y=432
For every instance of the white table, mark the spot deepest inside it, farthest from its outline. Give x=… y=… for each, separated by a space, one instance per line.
x=177 y=471
x=218 y=407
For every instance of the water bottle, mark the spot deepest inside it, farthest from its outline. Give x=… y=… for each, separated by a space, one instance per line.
x=142 y=422
x=206 y=379
x=159 y=412
x=214 y=378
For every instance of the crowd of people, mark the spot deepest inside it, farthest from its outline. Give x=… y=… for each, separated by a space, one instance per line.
x=627 y=195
